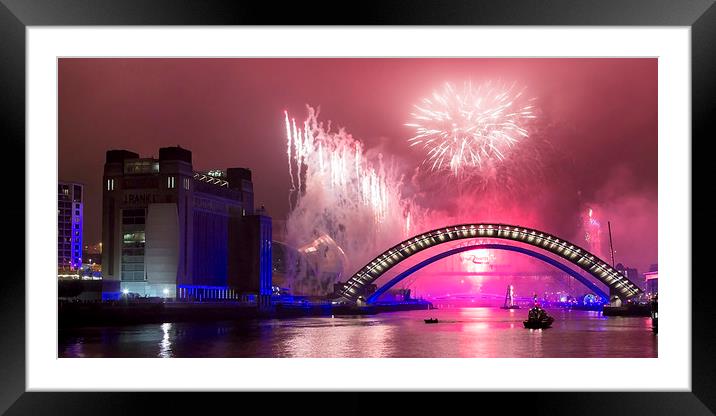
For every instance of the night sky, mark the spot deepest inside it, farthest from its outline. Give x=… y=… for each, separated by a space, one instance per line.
x=599 y=114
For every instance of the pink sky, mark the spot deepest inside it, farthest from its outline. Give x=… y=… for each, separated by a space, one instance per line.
x=600 y=116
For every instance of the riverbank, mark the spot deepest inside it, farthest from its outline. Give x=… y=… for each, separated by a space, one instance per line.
x=627 y=310
x=87 y=314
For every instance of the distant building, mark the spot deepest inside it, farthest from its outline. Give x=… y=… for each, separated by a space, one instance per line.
x=169 y=231
x=651 y=280
x=91 y=262
x=70 y=212
x=631 y=273
x=92 y=254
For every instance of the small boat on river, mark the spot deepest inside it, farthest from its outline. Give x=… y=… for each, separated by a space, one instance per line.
x=537 y=318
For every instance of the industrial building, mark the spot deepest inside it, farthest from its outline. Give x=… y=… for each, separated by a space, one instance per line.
x=169 y=231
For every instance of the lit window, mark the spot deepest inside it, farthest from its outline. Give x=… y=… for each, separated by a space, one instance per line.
x=170 y=182
x=186 y=183
x=110 y=184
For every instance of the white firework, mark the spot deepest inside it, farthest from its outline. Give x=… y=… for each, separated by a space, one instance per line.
x=468 y=129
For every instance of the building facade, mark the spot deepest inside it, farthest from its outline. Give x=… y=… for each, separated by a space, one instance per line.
x=651 y=281
x=168 y=231
x=70 y=214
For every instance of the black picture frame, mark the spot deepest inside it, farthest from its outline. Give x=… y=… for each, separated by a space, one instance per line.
x=16 y=15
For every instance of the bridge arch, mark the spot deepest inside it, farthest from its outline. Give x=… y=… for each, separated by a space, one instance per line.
x=402 y=275
x=598 y=268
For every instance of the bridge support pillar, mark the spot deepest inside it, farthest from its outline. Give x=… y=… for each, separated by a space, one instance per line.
x=615 y=300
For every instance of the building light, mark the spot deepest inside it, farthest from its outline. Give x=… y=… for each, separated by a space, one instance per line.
x=170 y=182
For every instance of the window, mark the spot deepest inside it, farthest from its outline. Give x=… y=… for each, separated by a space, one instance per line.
x=133 y=240
x=186 y=183
x=110 y=184
x=170 y=182
x=141 y=166
x=133 y=216
x=132 y=252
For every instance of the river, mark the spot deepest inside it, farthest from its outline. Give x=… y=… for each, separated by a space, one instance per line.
x=461 y=332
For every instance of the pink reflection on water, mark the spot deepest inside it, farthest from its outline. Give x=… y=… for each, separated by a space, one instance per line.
x=347 y=337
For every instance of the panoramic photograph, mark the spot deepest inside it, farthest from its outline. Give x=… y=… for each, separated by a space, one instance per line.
x=357 y=208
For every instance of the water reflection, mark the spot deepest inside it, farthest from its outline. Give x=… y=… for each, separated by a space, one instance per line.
x=165 y=346
x=461 y=332
x=73 y=349
x=343 y=336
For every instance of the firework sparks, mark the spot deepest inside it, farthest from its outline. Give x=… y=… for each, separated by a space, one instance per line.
x=592 y=233
x=339 y=191
x=470 y=128
x=340 y=159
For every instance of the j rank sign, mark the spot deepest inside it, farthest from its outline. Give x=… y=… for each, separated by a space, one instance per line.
x=145 y=198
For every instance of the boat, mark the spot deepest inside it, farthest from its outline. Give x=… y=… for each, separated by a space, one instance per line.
x=537 y=318
x=510 y=299
x=431 y=320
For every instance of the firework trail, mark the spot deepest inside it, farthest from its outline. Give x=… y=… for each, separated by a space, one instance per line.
x=593 y=233
x=339 y=194
x=470 y=129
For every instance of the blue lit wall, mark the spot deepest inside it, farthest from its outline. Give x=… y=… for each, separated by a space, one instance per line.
x=210 y=250
x=265 y=273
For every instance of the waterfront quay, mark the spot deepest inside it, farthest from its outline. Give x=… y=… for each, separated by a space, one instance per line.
x=129 y=312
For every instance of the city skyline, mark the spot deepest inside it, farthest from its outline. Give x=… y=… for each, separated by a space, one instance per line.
x=229 y=112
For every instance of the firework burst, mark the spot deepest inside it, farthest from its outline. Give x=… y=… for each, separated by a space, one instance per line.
x=336 y=161
x=341 y=193
x=465 y=130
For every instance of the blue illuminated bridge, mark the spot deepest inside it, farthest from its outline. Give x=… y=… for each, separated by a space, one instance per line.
x=567 y=252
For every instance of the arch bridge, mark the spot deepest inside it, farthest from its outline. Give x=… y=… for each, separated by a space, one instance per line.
x=566 y=251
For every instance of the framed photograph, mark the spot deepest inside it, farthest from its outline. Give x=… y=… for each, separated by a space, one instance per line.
x=475 y=198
